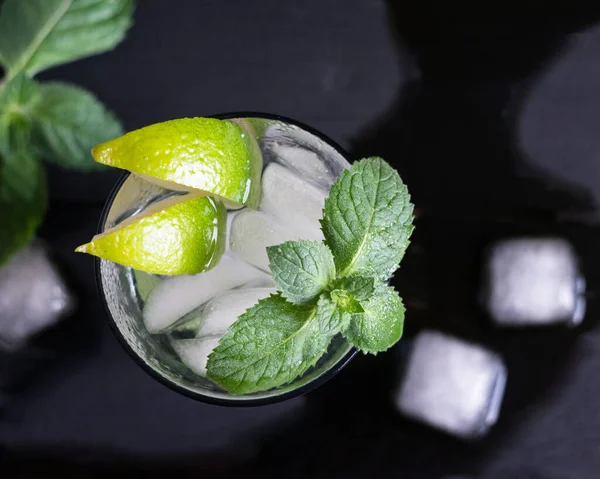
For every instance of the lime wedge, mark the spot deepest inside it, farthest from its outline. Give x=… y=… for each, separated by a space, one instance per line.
x=173 y=237
x=218 y=157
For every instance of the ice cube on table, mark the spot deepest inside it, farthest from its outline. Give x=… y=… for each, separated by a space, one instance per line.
x=533 y=281
x=452 y=385
x=252 y=231
x=194 y=352
x=175 y=297
x=33 y=296
x=286 y=196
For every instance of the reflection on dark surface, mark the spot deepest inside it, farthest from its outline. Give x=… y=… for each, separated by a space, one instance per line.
x=450 y=138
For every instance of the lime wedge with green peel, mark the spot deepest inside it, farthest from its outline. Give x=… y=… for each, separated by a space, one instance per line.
x=172 y=237
x=218 y=157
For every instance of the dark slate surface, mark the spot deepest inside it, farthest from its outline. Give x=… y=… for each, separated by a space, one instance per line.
x=490 y=117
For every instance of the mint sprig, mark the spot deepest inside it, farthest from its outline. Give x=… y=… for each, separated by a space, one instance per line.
x=326 y=288
x=52 y=121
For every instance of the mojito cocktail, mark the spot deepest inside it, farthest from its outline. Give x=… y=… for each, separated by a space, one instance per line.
x=242 y=258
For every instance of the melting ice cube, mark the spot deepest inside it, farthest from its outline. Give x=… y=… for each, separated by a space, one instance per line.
x=304 y=153
x=452 y=385
x=175 y=297
x=534 y=281
x=305 y=162
x=33 y=295
x=222 y=311
x=252 y=231
x=194 y=352
x=286 y=196
x=212 y=324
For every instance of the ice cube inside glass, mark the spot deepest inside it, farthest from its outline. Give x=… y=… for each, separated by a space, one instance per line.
x=171 y=324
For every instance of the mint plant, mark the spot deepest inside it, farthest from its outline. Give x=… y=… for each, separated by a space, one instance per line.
x=325 y=288
x=53 y=121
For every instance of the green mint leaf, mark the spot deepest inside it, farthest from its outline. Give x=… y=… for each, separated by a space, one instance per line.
x=22 y=201
x=367 y=220
x=22 y=180
x=18 y=98
x=332 y=319
x=68 y=122
x=349 y=291
x=39 y=34
x=14 y=133
x=301 y=269
x=346 y=302
x=269 y=345
x=380 y=326
x=359 y=287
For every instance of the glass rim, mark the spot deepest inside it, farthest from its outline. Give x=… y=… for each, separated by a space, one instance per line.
x=241 y=402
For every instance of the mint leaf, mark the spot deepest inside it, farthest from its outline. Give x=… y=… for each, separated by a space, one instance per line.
x=346 y=302
x=349 y=291
x=18 y=97
x=22 y=180
x=268 y=346
x=67 y=122
x=22 y=201
x=367 y=220
x=359 y=287
x=301 y=269
x=38 y=34
x=332 y=319
x=380 y=326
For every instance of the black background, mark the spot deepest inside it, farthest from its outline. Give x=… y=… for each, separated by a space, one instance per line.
x=491 y=114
